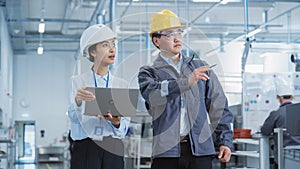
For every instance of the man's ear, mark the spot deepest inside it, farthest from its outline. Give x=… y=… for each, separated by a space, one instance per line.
x=155 y=41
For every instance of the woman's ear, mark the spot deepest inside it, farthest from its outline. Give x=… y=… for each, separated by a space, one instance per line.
x=93 y=53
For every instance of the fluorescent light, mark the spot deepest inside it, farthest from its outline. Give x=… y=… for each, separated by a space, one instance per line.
x=221 y=1
x=206 y=0
x=42 y=27
x=40 y=50
x=254 y=32
x=25 y=115
x=224 y=2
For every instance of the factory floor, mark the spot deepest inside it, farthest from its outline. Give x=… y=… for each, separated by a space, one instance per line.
x=66 y=165
x=41 y=166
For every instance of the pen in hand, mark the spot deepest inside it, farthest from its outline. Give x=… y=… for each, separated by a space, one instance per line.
x=212 y=65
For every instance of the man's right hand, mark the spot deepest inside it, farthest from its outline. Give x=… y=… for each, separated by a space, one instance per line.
x=198 y=74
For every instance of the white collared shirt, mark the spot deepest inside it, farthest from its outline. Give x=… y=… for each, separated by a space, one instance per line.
x=184 y=121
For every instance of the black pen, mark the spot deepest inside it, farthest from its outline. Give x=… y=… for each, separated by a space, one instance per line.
x=212 y=66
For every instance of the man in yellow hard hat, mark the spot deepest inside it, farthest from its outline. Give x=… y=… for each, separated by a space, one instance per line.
x=186 y=101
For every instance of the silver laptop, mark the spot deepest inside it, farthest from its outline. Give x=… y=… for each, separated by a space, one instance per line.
x=117 y=101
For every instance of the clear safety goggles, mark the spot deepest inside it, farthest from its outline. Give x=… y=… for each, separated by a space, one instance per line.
x=171 y=35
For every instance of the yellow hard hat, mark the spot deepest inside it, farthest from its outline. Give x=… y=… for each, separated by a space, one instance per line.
x=164 y=19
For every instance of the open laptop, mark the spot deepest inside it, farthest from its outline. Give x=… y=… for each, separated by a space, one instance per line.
x=117 y=101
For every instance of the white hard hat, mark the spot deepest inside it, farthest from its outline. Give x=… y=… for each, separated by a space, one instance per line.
x=92 y=35
x=284 y=85
x=284 y=91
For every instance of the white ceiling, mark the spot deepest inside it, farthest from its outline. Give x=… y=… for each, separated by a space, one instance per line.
x=66 y=19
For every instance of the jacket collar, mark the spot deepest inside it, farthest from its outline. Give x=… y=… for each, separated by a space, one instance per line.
x=286 y=103
x=160 y=62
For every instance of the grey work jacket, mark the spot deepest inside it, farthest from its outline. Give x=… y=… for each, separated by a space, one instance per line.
x=277 y=119
x=207 y=109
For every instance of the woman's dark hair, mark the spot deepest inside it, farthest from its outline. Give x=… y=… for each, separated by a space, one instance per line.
x=91 y=48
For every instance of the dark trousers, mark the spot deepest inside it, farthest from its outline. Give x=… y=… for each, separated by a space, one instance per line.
x=275 y=165
x=185 y=161
x=88 y=154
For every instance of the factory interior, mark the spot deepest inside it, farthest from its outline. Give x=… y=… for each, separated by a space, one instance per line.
x=255 y=45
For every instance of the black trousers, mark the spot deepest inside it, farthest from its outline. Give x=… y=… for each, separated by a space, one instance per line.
x=185 y=161
x=88 y=154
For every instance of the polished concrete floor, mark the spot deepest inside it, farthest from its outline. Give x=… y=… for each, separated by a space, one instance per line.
x=42 y=166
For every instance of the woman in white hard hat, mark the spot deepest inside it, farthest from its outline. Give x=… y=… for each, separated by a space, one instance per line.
x=277 y=119
x=97 y=140
x=181 y=94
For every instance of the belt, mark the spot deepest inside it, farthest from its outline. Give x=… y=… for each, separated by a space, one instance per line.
x=184 y=139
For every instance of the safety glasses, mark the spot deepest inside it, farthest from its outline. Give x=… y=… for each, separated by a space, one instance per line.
x=171 y=35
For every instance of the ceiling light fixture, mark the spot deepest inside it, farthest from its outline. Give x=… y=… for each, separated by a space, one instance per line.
x=221 y=1
x=206 y=0
x=42 y=26
x=40 y=49
x=224 y=2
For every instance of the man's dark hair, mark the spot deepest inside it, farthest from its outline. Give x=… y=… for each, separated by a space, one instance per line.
x=287 y=96
x=155 y=35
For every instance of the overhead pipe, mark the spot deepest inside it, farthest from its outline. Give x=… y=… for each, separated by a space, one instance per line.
x=148 y=39
x=246 y=50
x=248 y=43
x=100 y=5
x=126 y=9
x=261 y=26
x=45 y=50
x=246 y=17
x=206 y=11
x=112 y=13
x=265 y=19
x=68 y=13
x=289 y=27
x=70 y=7
x=280 y=15
x=187 y=25
x=213 y=24
x=47 y=20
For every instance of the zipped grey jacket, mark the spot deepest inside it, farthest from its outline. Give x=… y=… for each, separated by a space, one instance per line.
x=207 y=109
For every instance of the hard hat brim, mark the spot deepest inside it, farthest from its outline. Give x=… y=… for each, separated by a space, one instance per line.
x=175 y=27
x=85 y=51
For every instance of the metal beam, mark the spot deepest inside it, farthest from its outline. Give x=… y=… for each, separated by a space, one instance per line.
x=261 y=26
x=206 y=11
x=47 y=20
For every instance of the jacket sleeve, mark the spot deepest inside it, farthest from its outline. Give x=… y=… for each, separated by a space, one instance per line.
x=151 y=87
x=219 y=113
x=269 y=124
x=73 y=109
